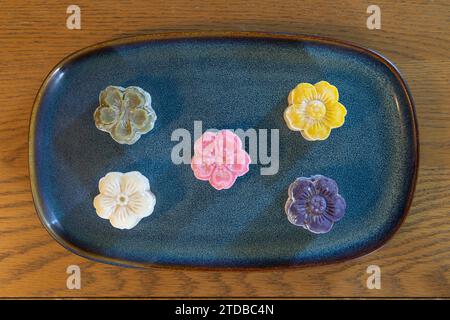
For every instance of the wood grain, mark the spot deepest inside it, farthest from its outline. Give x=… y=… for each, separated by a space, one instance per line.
x=414 y=34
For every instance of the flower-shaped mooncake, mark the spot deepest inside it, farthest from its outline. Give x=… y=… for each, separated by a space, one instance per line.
x=125 y=114
x=314 y=110
x=314 y=203
x=219 y=158
x=124 y=199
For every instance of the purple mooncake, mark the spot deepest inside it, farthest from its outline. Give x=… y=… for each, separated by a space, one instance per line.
x=314 y=203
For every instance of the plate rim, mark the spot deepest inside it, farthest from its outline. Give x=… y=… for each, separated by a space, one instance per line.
x=37 y=201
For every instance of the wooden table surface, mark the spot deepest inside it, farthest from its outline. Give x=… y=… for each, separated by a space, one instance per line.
x=414 y=35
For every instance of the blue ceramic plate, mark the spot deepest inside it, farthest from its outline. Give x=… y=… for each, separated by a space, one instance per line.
x=226 y=80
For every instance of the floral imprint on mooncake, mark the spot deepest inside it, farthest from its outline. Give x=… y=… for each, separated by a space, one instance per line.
x=219 y=158
x=125 y=114
x=124 y=199
x=314 y=203
x=314 y=110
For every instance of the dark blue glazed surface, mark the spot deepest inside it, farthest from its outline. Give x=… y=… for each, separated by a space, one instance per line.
x=226 y=83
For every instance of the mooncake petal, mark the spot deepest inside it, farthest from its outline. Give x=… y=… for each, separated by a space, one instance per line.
x=202 y=169
x=301 y=189
x=318 y=223
x=122 y=218
x=302 y=92
x=318 y=131
x=326 y=186
x=205 y=143
x=222 y=178
x=111 y=97
x=336 y=208
x=132 y=182
x=123 y=131
x=133 y=98
x=335 y=116
x=143 y=119
x=109 y=185
x=142 y=203
x=305 y=136
x=296 y=213
x=240 y=164
x=295 y=119
x=104 y=206
x=139 y=117
x=227 y=140
x=106 y=115
x=326 y=92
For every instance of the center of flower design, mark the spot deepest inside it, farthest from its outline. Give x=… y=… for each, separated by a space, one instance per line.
x=316 y=109
x=317 y=204
x=122 y=199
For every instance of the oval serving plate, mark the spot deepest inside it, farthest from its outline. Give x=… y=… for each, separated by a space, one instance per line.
x=225 y=80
